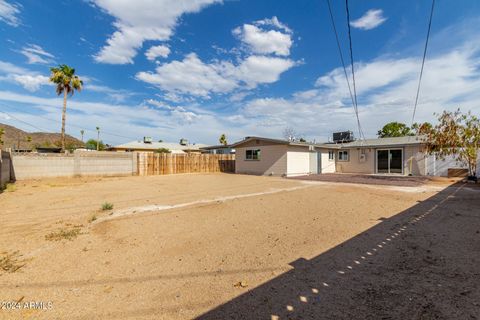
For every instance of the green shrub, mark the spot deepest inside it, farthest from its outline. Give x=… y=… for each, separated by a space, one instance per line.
x=107 y=206
x=63 y=234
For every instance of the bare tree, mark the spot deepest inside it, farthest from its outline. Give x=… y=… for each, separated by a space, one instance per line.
x=289 y=134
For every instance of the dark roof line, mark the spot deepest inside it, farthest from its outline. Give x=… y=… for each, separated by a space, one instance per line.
x=368 y=143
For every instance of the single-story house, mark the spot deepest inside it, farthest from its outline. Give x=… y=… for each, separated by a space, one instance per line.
x=265 y=156
x=220 y=149
x=147 y=145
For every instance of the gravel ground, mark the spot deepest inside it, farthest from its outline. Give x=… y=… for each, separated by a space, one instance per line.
x=401 y=181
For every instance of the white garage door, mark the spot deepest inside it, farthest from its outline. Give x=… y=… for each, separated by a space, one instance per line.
x=298 y=163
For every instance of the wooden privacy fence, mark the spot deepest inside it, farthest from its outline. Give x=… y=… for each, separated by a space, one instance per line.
x=167 y=163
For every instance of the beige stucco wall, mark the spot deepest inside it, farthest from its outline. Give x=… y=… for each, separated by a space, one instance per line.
x=413 y=154
x=273 y=160
x=418 y=159
x=354 y=165
x=294 y=160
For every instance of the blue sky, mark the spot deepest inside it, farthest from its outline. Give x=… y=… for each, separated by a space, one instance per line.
x=199 y=68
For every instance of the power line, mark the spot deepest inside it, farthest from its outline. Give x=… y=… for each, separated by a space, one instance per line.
x=25 y=122
x=59 y=122
x=340 y=52
x=423 y=61
x=353 y=72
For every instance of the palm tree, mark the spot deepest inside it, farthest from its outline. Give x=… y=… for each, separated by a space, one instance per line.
x=29 y=140
x=98 y=137
x=82 y=132
x=66 y=82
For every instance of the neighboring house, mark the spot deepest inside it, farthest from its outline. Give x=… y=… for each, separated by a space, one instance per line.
x=220 y=149
x=264 y=156
x=147 y=145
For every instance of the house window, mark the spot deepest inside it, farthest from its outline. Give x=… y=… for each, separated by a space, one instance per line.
x=343 y=155
x=331 y=155
x=252 y=154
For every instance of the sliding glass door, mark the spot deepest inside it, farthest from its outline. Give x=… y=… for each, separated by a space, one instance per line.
x=382 y=161
x=390 y=161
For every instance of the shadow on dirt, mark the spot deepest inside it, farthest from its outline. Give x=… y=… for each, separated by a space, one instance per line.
x=419 y=264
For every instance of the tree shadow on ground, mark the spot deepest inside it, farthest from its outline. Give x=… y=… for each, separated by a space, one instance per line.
x=419 y=264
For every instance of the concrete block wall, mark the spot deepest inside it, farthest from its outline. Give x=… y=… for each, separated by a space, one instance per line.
x=5 y=168
x=105 y=163
x=81 y=163
x=42 y=166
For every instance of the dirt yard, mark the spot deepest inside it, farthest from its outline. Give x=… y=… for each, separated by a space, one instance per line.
x=222 y=246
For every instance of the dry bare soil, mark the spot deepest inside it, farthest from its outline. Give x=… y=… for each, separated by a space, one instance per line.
x=221 y=246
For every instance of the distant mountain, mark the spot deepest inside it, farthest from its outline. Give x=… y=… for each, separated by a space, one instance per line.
x=18 y=139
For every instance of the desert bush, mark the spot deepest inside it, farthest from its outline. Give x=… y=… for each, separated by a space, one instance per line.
x=63 y=234
x=107 y=206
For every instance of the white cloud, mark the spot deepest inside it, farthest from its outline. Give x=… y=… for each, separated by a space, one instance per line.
x=172 y=96
x=141 y=20
x=159 y=104
x=256 y=70
x=192 y=76
x=7 y=67
x=157 y=51
x=179 y=113
x=273 y=22
x=31 y=82
x=9 y=12
x=36 y=54
x=262 y=41
x=370 y=20
x=114 y=94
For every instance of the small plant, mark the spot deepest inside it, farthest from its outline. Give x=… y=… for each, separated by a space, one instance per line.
x=163 y=150
x=107 y=206
x=63 y=234
x=92 y=218
x=9 y=262
x=9 y=187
